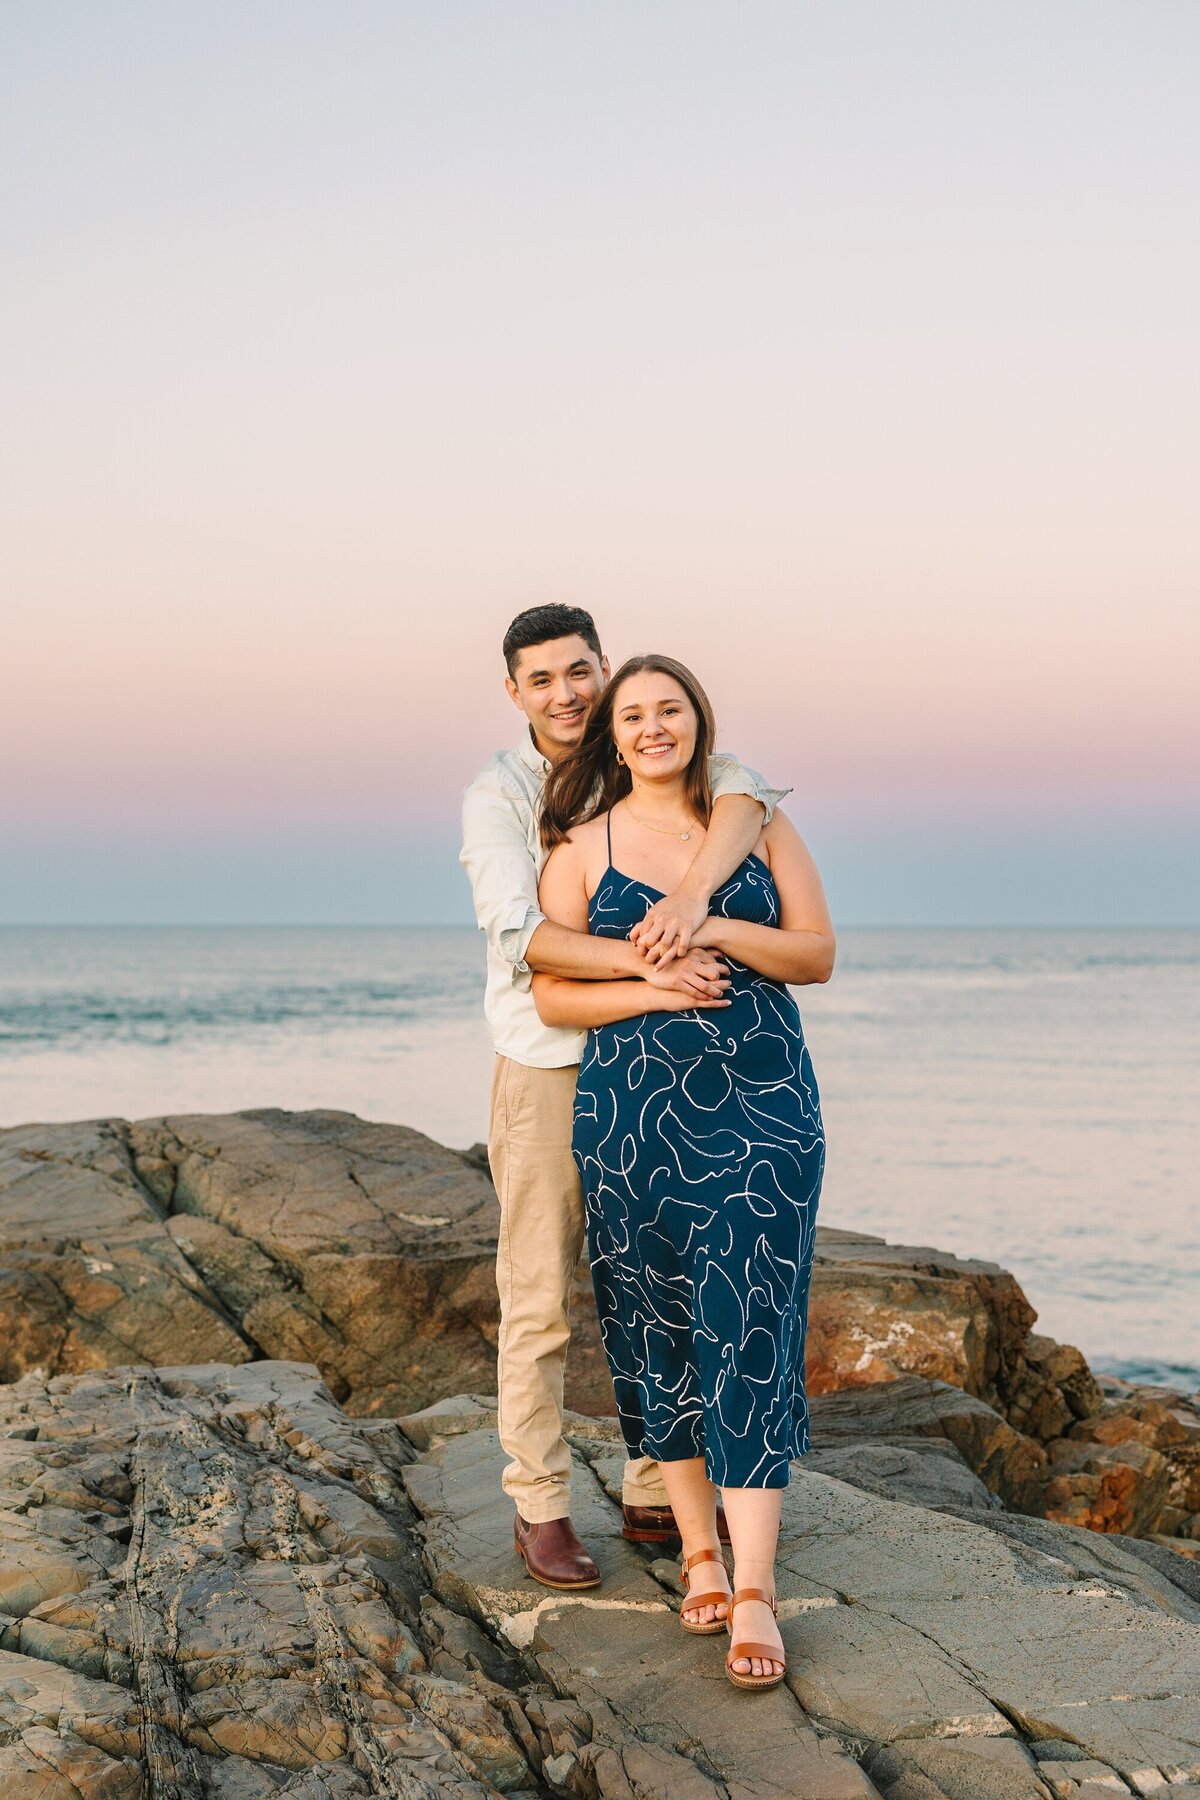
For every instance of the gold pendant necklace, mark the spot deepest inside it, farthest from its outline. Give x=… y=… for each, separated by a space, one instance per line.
x=662 y=830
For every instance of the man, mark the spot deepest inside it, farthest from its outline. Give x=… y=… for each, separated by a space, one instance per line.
x=556 y=671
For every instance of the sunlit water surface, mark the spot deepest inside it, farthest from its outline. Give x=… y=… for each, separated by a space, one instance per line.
x=1025 y=1096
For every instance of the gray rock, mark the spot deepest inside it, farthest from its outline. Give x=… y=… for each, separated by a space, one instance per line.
x=619 y=1654
x=927 y=1472
x=1167 y=1582
x=368 y=1250
x=241 y=1591
x=468 y=1538
x=1065 y=1776
x=241 y=1619
x=920 y=1631
x=1086 y=1664
x=942 y=1636
x=1036 y=1633
x=910 y=1409
x=968 y=1769
x=214 y=1580
x=459 y=1648
x=875 y=1677
x=1056 y=1750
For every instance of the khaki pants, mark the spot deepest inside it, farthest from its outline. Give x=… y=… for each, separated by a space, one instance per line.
x=541 y=1241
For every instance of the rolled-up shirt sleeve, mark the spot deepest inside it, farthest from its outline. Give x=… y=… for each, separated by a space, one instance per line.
x=729 y=776
x=502 y=874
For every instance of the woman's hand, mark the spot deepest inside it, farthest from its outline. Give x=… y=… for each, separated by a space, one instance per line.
x=697 y=979
x=669 y=927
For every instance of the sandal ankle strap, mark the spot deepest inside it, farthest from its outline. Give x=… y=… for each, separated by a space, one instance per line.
x=751 y=1594
x=713 y=1555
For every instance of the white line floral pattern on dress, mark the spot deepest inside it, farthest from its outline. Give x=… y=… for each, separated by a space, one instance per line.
x=701 y=1149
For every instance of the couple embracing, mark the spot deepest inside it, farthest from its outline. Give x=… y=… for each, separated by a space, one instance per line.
x=646 y=908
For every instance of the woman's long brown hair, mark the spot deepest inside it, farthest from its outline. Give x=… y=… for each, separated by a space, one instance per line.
x=589 y=779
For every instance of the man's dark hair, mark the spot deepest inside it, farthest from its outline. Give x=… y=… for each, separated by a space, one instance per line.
x=539 y=624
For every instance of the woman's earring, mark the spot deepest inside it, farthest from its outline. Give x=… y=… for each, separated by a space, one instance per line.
x=620 y=758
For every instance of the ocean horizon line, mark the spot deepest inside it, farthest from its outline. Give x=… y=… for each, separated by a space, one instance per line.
x=467 y=925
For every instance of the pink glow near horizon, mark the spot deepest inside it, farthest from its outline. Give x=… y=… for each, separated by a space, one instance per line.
x=210 y=714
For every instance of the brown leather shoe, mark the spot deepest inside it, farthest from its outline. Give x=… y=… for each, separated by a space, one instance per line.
x=554 y=1555
x=656 y=1525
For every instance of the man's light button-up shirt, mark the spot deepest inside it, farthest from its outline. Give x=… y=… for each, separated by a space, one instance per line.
x=503 y=855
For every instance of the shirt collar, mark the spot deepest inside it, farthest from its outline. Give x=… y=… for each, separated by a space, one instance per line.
x=530 y=755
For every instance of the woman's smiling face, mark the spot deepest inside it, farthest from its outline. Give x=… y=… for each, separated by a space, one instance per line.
x=654 y=726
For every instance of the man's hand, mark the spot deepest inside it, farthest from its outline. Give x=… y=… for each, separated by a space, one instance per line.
x=666 y=931
x=699 y=976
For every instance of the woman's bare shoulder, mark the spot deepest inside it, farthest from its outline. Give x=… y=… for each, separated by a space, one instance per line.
x=582 y=857
x=580 y=846
x=590 y=833
x=582 y=840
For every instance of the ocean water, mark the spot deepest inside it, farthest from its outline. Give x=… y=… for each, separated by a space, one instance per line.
x=1029 y=1096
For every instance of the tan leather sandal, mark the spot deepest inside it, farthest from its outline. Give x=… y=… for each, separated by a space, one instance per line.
x=714 y=1599
x=746 y=1651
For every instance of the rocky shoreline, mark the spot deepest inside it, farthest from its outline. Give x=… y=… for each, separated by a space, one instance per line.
x=254 y=1545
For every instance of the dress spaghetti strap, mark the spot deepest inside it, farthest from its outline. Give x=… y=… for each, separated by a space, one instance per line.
x=608 y=824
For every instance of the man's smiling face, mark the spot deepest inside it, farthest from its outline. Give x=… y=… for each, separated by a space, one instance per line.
x=555 y=685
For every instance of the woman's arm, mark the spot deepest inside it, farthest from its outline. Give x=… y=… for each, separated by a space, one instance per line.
x=585 y=1004
x=733 y=830
x=801 y=948
x=562 y=896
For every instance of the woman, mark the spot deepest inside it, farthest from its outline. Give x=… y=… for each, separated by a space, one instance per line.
x=698 y=1138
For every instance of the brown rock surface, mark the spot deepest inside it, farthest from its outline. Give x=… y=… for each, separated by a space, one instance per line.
x=1106 y=1487
x=1120 y=1458
x=1167 y=1420
x=368 y=1249
x=364 y=1248
x=879 y=1310
x=88 y=1274
x=1132 y=1466
x=1056 y=1388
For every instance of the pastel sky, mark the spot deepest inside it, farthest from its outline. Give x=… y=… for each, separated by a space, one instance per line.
x=848 y=352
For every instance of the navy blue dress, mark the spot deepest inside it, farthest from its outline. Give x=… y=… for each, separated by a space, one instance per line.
x=699 y=1143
